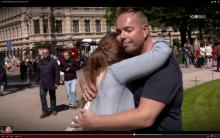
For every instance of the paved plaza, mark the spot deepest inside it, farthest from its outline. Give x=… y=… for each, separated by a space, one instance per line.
x=20 y=106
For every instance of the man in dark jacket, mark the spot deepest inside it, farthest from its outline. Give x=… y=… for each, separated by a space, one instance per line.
x=69 y=68
x=3 y=79
x=48 y=77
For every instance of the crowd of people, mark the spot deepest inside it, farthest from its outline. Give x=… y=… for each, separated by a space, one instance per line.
x=204 y=56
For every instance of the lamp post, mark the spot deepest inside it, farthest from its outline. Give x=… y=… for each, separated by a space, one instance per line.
x=170 y=35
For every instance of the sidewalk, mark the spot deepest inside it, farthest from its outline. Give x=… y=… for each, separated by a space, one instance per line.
x=195 y=76
x=21 y=109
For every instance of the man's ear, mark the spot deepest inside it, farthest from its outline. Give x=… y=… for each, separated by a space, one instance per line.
x=146 y=31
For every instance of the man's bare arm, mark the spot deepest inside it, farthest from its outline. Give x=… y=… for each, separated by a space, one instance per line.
x=143 y=116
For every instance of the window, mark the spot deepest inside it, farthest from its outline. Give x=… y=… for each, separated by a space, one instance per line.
x=45 y=25
x=87 y=26
x=17 y=32
x=75 y=26
x=9 y=33
x=36 y=26
x=13 y=33
x=108 y=28
x=58 y=26
x=6 y=34
x=98 y=25
x=27 y=26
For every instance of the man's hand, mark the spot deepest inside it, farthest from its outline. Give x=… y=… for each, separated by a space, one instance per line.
x=56 y=86
x=85 y=120
x=75 y=124
x=88 y=89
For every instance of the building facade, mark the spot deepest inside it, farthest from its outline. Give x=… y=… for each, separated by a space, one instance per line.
x=24 y=27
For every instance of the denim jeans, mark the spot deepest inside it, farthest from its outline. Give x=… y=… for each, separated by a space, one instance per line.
x=71 y=91
x=186 y=61
x=43 y=95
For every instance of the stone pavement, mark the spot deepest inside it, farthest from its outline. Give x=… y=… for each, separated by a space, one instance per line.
x=21 y=108
x=195 y=76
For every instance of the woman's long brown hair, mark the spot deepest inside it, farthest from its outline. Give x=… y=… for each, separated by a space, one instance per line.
x=108 y=52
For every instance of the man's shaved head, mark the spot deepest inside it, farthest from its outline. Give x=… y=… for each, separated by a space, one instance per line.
x=137 y=11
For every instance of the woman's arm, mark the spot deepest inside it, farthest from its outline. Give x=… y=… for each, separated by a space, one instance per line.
x=142 y=65
x=112 y=96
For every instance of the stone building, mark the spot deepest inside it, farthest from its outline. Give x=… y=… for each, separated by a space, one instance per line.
x=25 y=27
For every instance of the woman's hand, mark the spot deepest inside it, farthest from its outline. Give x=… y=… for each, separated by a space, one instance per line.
x=88 y=88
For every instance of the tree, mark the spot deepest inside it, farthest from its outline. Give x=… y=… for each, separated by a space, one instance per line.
x=160 y=17
x=181 y=18
x=110 y=16
x=176 y=18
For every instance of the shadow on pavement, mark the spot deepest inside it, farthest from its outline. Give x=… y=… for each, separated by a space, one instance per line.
x=59 y=108
x=15 y=84
x=62 y=107
x=215 y=70
x=13 y=88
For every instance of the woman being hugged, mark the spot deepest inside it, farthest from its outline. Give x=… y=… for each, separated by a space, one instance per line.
x=112 y=94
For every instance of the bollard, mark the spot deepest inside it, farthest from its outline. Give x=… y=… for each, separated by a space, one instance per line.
x=28 y=75
x=212 y=76
x=195 y=80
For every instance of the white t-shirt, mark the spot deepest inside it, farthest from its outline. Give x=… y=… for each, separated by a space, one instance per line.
x=202 y=51
x=208 y=51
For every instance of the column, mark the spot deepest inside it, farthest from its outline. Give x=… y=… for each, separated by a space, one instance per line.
x=67 y=22
x=49 y=25
x=81 y=25
x=16 y=33
x=13 y=33
x=92 y=25
x=24 y=29
x=41 y=25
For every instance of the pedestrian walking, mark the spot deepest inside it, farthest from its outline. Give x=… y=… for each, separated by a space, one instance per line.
x=218 y=55
x=208 y=55
x=23 y=70
x=48 y=77
x=202 y=55
x=3 y=79
x=214 y=56
x=69 y=67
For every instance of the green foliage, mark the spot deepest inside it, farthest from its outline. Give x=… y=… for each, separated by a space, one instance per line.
x=110 y=15
x=179 y=17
